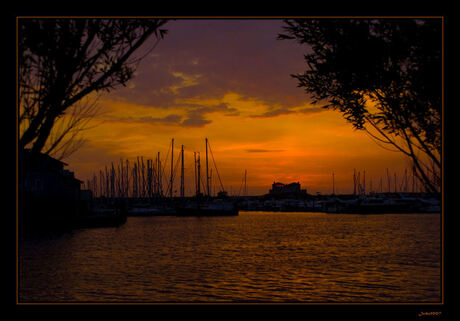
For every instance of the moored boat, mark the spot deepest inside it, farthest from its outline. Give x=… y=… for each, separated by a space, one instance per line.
x=216 y=207
x=151 y=210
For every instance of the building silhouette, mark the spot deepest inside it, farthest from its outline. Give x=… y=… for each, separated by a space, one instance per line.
x=287 y=190
x=49 y=195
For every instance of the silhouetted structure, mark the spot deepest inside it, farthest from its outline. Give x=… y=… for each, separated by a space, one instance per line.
x=48 y=178
x=287 y=190
x=49 y=194
x=50 y=198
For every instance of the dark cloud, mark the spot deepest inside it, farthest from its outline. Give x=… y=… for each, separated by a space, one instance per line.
x=170 y=119
x=196 y=114
x=273 y=113
x=195 y=120
x=311 y=110
x=223 y=107
x=208 y=58
x=285 y=111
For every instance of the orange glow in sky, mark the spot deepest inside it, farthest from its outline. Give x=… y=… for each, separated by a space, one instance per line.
x=229 y=81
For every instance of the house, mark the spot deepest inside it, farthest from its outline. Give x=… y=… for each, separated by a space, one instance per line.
x=46 y=177
x=48 y=193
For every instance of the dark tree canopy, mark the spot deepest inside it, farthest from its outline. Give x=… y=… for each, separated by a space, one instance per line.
x=384 y=76
x=62 y=61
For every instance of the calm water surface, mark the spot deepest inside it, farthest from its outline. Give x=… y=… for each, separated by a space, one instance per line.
x=254 y=257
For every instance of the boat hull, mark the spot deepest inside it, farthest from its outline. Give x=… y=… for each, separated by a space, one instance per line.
x=381 y=209
x=151 y=211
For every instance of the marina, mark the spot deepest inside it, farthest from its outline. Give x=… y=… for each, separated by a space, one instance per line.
x=134 y=189
x=147 y=191
x=142 y=190
x=168 y=160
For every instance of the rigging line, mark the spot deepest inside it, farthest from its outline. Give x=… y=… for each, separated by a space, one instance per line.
x=163 y=168
x=218 y=175
x=174 y=172
x=202 y=183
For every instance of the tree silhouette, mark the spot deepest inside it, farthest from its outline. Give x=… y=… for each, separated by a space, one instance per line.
x=384 y=76
x=62 y=61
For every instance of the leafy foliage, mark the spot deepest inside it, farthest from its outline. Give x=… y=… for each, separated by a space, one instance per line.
x=62 y=61
x=381 y=74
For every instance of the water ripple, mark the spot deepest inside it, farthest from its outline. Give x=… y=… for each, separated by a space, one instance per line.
x=263 y=257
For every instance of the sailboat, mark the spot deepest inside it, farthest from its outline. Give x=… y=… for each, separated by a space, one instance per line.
x=153 y=202
x=205 y=205
x=216 y=207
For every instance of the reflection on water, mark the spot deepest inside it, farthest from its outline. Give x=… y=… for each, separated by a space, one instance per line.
x=253 y=257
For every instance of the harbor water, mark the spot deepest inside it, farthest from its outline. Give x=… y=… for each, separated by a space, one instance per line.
x=252 y=257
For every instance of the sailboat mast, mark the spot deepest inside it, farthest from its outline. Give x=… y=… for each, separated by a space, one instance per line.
x=198 y=183
x=207 y=171
x=333 y=184
x=194 y=162
x=395 y=182
x=245 y=186
x=182 y=191
x=389 y=183
x=160 y=189
x=364 y=182
x=172 y=169
x=354 y=182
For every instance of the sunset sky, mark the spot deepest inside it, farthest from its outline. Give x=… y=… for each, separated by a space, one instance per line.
x=229 y=81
